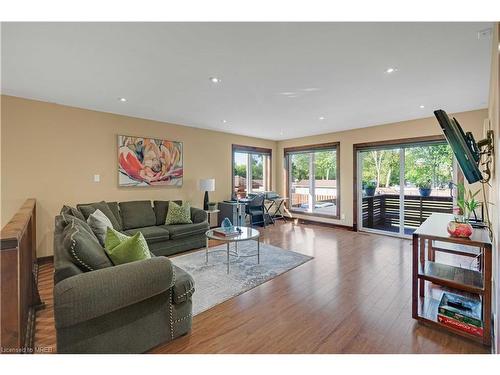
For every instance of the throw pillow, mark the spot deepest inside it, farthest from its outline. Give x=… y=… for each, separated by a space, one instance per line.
x=84 y=249
x=72 y=211
x=99 y=224
x=178 y=214
x=128 y=250
x=113 y=239
x=67 y=219
x=90 y=208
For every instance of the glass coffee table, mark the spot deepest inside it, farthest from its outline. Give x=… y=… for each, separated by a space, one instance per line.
x=246 y=234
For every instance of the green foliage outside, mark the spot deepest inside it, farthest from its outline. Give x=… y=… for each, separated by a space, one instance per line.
x=325 y=165
x=257 y=168
x=425 y=166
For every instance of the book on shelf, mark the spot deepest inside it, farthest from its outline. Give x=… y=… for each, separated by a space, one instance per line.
x=477 y=331
x=461 y=313
x=461 y=308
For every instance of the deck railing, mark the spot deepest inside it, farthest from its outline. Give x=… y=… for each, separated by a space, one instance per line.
x=383 y=210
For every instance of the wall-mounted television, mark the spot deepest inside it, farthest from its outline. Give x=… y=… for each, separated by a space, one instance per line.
x=463 y=145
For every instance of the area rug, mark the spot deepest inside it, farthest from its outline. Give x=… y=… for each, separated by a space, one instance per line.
x=212 y=283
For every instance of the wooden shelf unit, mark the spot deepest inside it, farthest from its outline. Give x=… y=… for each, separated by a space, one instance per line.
x=431 y=238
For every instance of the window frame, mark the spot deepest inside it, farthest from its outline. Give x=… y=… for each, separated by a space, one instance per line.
x=288 y=151
x=267 y=169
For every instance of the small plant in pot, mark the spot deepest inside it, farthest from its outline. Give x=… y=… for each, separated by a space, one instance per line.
x=212 y=206
x=467 y=204
x=370 y=187
x=424 y=187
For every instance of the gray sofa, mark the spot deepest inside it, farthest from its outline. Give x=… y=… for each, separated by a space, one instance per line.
x=135 y=216
x=127 y=308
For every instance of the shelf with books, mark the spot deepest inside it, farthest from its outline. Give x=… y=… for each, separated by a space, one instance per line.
x=428 y=313
x=467 y=287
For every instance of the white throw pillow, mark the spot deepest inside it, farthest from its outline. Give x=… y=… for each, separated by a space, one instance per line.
x=99 y=224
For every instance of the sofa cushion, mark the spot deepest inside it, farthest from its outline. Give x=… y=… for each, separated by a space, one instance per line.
x=137 y=214
x=152 y=234
x=68 y=210
x=84 y=249
x=113 y=206
x=184 y=230
x=161 y=209
x=183 y=288
x=89 y=208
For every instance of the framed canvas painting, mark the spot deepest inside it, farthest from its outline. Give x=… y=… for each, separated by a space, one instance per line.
x=149 y=162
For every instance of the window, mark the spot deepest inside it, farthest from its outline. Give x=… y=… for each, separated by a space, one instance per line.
x=251 y=170
x=313 y=184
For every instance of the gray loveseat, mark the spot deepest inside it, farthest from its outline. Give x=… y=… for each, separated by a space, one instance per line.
x=127 y=308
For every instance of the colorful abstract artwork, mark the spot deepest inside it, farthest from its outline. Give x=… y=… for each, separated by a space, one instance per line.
x=149 y=162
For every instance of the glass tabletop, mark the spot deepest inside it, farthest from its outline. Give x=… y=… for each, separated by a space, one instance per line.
x=247 y=233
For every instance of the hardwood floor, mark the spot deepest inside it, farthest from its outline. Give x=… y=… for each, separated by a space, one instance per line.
x=353 y=297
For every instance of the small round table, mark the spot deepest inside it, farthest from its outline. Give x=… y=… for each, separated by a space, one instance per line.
x=246 y=234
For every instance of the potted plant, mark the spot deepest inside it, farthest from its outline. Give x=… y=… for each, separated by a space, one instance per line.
x=424 y=187
x=370 y=187
x=467 y=204
x=212 y=206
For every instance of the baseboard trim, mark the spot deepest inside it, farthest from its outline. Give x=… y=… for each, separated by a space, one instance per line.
x=323 y=224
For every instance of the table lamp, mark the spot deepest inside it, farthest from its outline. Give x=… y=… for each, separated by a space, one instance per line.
x=206 y=185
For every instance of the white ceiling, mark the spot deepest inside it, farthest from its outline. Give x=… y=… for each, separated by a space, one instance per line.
x=334 y=70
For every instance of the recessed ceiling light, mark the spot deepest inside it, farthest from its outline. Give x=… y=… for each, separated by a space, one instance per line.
x=321 y=118
x=224 y=121
x=122 y=99
x=391 y=70
x=422 y=106
x=214 y=80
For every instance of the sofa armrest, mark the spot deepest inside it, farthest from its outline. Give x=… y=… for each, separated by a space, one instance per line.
x=96 y=293
x=198 y=215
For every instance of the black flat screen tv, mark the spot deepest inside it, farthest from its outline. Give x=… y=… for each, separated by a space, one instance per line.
x=463 y=145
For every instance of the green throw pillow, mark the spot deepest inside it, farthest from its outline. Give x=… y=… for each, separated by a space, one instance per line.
x=178 y=214
x=124 y=249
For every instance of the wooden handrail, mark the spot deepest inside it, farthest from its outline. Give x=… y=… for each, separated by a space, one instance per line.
x=19 y=269
x=14 y=230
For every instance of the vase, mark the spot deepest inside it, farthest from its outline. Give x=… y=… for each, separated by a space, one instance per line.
x=462 y=230
x=369 y=191
x=425 y=192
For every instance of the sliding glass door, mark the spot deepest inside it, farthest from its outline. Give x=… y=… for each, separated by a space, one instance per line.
x=399 y=186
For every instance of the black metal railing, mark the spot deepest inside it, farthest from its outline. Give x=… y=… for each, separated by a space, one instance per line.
x=382 y=211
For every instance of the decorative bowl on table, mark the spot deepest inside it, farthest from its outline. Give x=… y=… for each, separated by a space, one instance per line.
x=457 y=229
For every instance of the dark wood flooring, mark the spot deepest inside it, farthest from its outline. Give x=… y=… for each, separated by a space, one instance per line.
x=353 y=297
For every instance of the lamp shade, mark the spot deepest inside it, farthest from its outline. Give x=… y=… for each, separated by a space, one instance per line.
x=207 y=184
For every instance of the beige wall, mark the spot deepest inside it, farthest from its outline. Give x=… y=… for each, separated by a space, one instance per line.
x=494 y=191
x=471 y=121
x=51 y=152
